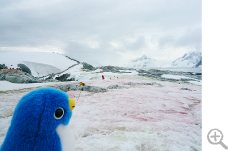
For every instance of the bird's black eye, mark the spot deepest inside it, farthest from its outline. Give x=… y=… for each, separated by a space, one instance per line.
x=59 y=113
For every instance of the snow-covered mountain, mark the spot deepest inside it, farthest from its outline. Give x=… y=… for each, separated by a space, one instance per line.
x=189 y=60
x=142 y=62
x=40 y=63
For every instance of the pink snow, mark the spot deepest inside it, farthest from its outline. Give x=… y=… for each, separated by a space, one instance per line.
x=140 y=117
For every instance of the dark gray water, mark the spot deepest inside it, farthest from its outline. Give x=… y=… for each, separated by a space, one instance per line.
x=195 y=70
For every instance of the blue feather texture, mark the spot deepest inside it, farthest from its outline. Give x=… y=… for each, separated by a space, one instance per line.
x=33 y=125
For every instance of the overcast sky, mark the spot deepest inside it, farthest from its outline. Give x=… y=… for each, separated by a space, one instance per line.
x=108 y=32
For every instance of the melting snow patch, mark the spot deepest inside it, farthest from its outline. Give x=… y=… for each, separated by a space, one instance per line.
x=196 y=82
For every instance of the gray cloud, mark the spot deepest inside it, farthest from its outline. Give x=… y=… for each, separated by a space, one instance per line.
x=84 y=54
x=191 y=38
x=136 y=45
x=60 y=23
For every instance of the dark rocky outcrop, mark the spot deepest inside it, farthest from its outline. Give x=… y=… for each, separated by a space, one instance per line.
x=109 y=69
x=73 y=59
x=69 y=87
x=3 y=66
x=114 y=69
x=16 y=76
x=152 y=83
x=116 y=87
x=24 y=68
x=88 y=66
x=64 y=77
x=94 y=89
x=186 y=89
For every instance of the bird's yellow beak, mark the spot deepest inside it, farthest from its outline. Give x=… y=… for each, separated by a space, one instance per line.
x=71 y=103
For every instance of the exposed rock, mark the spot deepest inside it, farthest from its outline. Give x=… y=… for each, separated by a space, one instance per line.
x=109 y=69
x=50 y=80
x=184 y=79
x=16 y=76
x=24 y=68
x=114 y=69
x=3 y=66
x=153 y=83
x=158 y=72
x=93 y=89
x=73 y=59
x=69 y=87
x=116 y=87
x=63 y=77
x=141 y=71
x=88 y=66
x=186 y=89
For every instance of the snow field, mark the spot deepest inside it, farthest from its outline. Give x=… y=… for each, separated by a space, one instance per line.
x=5 y=85
x=138 y=118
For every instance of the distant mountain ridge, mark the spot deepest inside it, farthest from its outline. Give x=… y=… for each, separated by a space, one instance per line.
x=42 y=64
x=189 y=60
x=144 y=57
x=142 y=62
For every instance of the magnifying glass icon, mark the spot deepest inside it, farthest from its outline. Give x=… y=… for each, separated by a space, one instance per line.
x=215 y=137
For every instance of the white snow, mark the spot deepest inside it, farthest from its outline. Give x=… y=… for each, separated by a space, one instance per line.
x=140 y=117
x=66 y=137
x=35 y=60
x=189 y=60
x=5 y=85
x=199 y=82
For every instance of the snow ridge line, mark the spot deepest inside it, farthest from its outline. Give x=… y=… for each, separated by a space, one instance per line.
x=53 y=74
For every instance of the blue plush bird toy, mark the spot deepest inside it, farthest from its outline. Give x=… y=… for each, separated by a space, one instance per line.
x=39 y=122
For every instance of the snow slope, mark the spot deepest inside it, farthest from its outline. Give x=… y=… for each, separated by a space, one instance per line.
x=80 y=74
x=142 y=62
x=40 y=63
x=40 y=69
x=189 y=60
x=140 y=117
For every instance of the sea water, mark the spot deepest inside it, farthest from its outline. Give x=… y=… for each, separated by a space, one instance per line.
x=194 y=70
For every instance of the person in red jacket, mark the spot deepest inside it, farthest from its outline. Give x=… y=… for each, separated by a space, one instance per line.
x=102 y=77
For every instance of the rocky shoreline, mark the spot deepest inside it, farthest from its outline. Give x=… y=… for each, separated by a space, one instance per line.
x=17 y=76
x=157 y=74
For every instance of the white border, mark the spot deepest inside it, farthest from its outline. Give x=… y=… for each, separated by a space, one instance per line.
x=215 y=70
